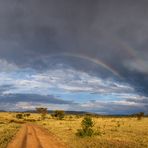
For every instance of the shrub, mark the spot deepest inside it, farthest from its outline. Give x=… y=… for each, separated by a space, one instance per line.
x=85 y=132
x=87 y=124
x=19 y=116
x=78 y=116
x=70 y=117
x=30 y=120
x=59 y=114
x=27 y=115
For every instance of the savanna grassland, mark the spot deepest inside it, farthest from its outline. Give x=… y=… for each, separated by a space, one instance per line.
x=7 y=128
x=113 y=132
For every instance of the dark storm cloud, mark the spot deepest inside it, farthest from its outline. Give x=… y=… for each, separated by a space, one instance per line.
x=112 y=31
x=37 y=27
x=15 y=98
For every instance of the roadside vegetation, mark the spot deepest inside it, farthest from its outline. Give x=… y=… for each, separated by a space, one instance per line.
x=8 y=129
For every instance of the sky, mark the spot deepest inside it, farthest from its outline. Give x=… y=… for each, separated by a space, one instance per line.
x=81 y=55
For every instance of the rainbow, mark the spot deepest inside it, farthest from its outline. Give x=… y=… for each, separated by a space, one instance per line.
x=131 y=51
x=84 y=57
x=95 y=61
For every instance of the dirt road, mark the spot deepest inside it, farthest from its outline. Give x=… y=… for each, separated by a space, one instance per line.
x=33 y=136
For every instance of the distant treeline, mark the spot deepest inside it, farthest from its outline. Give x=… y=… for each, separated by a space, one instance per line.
x=82 y=113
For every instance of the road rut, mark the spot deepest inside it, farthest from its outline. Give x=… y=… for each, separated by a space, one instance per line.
x=33 y=136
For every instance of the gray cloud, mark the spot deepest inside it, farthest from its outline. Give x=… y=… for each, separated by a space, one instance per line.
x=112 y=107
x=14 y=98
x=113 y=32
x=143 y=100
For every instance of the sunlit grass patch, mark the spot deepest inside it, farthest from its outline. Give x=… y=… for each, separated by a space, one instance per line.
x=115 y=132
x=7 y=132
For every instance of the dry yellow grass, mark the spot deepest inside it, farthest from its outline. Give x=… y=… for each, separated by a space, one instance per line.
x=115 y=132
x=7 y=129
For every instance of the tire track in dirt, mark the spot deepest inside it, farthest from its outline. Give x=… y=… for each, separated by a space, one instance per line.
x=37 y=137
x=22 y=136
x=33 y=136
x=32 y=140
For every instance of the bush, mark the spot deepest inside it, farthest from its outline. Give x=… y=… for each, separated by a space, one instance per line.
x=87 y=124
x=59 y=114
x=83 y=133
x=70 y=117
x=27 y=115
x=19 y=116
x=30 y=120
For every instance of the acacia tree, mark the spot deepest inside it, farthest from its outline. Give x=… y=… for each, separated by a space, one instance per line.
x=43 y=111
x=140 y=115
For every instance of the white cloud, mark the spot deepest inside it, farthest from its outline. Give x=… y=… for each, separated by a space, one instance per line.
x=32 y=106
x=76 y=81
x=69 y=80
x=66 y=80
x=5 y=66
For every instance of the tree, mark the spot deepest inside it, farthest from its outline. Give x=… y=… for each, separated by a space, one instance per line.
x=59 y=114
x=43 y=111
x=140 y=115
